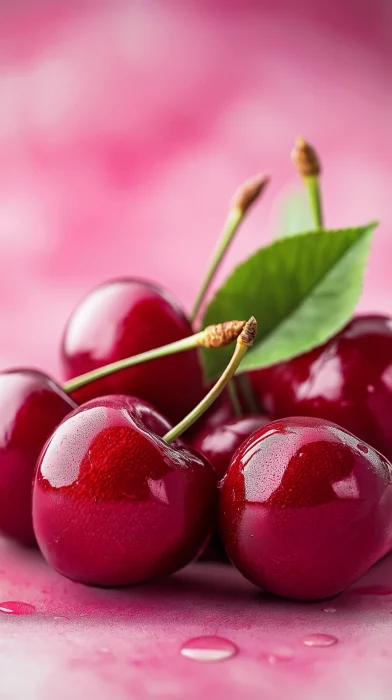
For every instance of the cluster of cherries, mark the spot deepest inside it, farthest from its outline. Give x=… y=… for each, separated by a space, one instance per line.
x=303 y=504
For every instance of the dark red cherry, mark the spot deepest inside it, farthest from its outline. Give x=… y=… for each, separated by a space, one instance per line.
x=219 y=443
x=31 y=407
x=113 y=504
x=123 y=318
x=306 y=508
x=348 y=381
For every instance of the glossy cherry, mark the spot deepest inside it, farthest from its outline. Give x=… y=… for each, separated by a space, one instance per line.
x=113 y=504
x=218 y=443
x=31 y=407
x=123 y=318
x=348 y=381
x=306 y=508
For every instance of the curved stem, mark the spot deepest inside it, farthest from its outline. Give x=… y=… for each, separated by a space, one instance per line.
x=244 y=341
x=242 y=201
x=215 y=336
x=231 y=226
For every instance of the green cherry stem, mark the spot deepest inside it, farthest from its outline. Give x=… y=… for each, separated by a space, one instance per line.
x=244 y=341
x=233 y=393
x=308 y=165
x=215 y=336
x=245 y=196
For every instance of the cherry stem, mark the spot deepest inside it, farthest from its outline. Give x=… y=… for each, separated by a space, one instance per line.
x=233 y=392
x=215 y=336
x=308 y=165
x=245 y=196
x=244 y=342
x=248 y=393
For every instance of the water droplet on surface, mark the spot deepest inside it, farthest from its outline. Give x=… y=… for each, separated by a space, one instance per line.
x=329 y=610
x=16 y=607
x=319 y=640
x=209 y=648
x=61 y=617
x=363 y=448
x=280 y=655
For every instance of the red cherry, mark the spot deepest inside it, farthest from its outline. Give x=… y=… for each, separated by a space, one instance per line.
x=31 y=407
x=305 y=508
x=348 y=381
x=219 y=443
x=113 y=504
x=123 y=318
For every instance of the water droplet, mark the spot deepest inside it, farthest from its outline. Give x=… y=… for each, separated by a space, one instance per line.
x=61 y=617
x=16 y=607
x=209 y=648
x=319 y=640
x=363 y=448
x=279 y=655
x=329 y=610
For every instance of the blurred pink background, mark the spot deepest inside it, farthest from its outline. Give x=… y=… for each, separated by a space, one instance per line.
x=125 y=128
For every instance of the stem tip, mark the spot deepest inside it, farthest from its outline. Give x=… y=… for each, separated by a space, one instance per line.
x=249 y=191
x=305 y=158
x=222 y=334
x=249 y=332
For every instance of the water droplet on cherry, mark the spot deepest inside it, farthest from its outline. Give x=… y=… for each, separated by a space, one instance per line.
x=16 y=607
x=279 y=655
x=208 y=648
x=363 y=448
x=329 y=610
x=319 y=640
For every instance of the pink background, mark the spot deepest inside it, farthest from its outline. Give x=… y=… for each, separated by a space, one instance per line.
x=125 y=127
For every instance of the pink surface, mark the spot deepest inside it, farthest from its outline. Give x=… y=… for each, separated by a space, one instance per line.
x=124 y=130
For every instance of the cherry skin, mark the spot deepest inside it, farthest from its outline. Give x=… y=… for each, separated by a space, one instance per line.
x=31 y=407
x=126 y=317
x=113 y=504
x=306 y=508
x=219 y=443
x=348 y=381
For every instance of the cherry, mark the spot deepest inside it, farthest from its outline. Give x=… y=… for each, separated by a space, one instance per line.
x=348 y=381
x=305 y=508
x=218 y=443
x=113 y=504
x=31 y=406
x=126 y=317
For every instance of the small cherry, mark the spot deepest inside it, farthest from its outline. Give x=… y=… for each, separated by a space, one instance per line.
x=114 y=503
x=305 y=508
x=218 y=443
x=31 y=407
x=348 y=380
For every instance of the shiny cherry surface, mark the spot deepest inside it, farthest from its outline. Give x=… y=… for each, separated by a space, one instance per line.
x=124 y=318
x=31 y=407
x=113 y=504
x=219 y=443
x=348 y=381
x=306 y=508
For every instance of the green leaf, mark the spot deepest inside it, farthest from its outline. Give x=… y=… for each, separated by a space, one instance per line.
x=302 y=290
x=293 y=213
